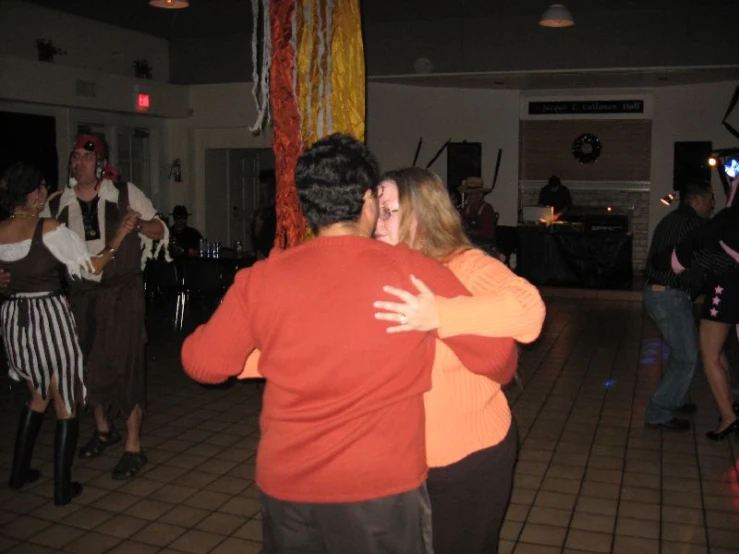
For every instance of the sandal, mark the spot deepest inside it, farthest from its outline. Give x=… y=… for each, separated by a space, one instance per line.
x=98 y=443
x=129 y=465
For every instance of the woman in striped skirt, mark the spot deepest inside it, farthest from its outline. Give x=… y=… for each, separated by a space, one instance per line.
x=38 y=328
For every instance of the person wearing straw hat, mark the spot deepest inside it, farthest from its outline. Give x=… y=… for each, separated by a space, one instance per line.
x=478 y=215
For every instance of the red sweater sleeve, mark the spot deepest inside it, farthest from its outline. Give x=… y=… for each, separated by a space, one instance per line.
x=218 y=349
x=474 y=351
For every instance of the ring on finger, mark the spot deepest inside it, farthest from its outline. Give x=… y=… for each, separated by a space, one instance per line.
x=403 y=319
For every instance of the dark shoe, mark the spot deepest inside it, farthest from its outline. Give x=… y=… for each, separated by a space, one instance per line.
x=129 y=465
x=718 y=436
x=98 y=443
x=687 y=408
x=28 y=429
x=65 y=445
x=674 y=424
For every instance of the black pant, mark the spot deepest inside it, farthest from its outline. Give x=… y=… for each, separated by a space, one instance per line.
x=397 y=524
x=469 y=498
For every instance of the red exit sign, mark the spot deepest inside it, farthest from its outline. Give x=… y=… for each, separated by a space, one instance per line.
x=143 y=102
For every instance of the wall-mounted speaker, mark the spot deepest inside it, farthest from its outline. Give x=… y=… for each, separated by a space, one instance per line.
x=691 y=163
x=464 y=159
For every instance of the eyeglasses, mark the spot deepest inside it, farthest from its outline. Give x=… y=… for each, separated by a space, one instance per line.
x=386 y=213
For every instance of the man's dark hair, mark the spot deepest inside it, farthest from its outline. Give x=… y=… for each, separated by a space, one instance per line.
x=692 y=190
x=332 y=177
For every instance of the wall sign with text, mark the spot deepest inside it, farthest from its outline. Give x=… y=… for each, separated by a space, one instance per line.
x=586 y=107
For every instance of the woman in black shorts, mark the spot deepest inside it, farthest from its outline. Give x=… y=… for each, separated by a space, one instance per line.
x=716 y=249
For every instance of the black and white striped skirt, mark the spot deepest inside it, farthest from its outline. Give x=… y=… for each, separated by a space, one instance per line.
x=41 y=343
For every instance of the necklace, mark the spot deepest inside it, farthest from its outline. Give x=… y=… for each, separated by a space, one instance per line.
x=20 y=213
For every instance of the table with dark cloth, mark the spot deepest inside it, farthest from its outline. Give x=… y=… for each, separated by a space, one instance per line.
x=589 y=259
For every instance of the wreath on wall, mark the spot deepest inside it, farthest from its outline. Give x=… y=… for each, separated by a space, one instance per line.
x=586 y=148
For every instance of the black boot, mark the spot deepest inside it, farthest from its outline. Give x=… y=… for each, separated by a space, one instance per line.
x=28 y=428
x=65 y=445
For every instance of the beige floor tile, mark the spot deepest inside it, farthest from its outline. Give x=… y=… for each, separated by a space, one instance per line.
x=221 y=523
x=251 y=530
x=197 y=542
x=165 y=473
x=600 y=490
x=588 y=541
x=241 y=506
x=641 y=480
x=517 y=512
x=233 y=545
x=506 y=546
x=685 y=533
x=150 y=509
x=680 y=514
x=562 y=485
x=30 y=548
x=230 y=485
x=526 y=481
x=637 y=494
x=526 y=548
x=56 y=535
x=24 y=527
x=185 y=516
x=92 y=543
x=722 y=538
x=24 y=503
x=592 y=505
x=115 y=502
x=565 y=472
x=511 y=530
x=535 y=533
x=132 y=547
x=141 y=486
x=121 y=526
x=639 y=510
x=641 y=466
x=549 y=516
x=196 y=479
x=593 y=522
x=88 y=518
x=207 y=500
x=641 y=528
x=636 y=545
x=50 y=512
x=174 y=494
x=159 y=534
x=671 y=547
x=527 y=467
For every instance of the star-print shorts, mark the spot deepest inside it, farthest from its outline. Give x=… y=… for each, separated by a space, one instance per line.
x=722 y=300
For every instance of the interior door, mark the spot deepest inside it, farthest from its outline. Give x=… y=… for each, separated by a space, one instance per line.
x=245 y=164
x=216 y=195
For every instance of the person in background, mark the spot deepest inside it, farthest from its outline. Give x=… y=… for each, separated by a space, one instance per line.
x=479 y=217
x=341 y=462
x=183 y=239
x=556 y=195
x=668 y=300
x=715 y=248
x=264 y=222
x=471 y=437
x=110 y=308
x=38 y=328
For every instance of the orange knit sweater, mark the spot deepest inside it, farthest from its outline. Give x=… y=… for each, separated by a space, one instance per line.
x=467 y=412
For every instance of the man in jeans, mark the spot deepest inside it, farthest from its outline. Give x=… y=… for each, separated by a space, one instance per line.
x=668 y=300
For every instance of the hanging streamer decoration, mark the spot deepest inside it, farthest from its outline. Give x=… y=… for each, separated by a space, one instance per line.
x=316 y=86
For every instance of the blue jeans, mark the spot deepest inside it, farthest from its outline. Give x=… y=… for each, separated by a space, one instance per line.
x=672 y=311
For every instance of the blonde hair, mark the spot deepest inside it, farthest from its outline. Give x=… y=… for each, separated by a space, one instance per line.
x=423 y=199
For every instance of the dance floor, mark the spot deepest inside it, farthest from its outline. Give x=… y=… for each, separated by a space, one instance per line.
x=590 y=477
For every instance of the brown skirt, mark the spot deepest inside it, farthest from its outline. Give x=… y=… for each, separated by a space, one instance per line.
x=111 y=323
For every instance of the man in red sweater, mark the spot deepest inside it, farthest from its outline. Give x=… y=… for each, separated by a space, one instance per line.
x=341 y=461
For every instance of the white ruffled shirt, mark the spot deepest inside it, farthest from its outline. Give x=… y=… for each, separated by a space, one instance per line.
x=108 y=192
x=65 y=246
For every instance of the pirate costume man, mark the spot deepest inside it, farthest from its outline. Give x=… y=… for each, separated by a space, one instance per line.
x=110 y=309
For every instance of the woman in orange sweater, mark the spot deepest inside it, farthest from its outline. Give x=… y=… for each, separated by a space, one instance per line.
x=471 y=438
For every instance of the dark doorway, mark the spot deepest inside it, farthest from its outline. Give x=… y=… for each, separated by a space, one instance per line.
x=30 y=138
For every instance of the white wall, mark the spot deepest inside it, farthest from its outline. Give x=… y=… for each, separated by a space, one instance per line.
x=398 y=115
x=221 y=117
x=89 y=44
x=687 y=113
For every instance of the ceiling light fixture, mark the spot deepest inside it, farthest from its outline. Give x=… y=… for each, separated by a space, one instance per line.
x=556 y=15
x=169 y=4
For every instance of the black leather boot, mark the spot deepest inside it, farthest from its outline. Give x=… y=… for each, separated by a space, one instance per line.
x=65 y=445
x=25 y=439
